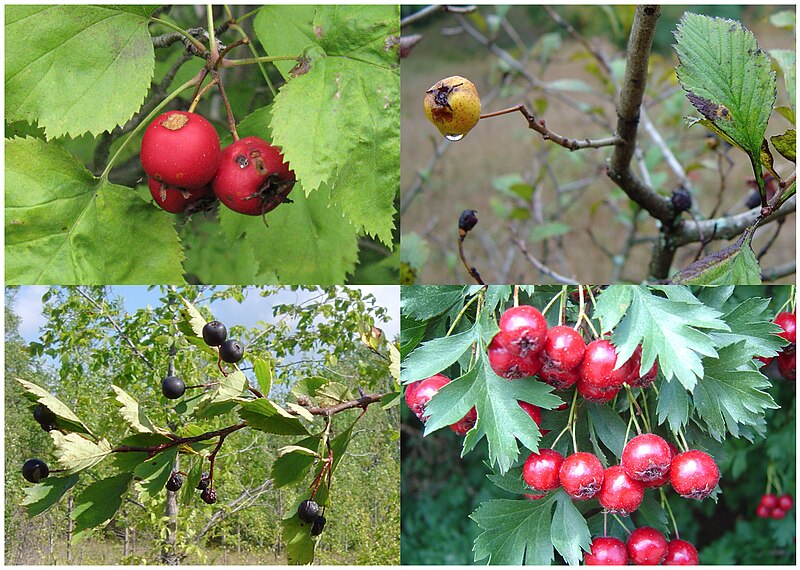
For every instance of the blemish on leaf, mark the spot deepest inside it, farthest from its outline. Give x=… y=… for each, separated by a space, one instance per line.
x=318 y=31
x=302 y=67
x=709 y=110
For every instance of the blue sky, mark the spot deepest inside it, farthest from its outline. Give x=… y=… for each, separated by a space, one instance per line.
x=28 y=306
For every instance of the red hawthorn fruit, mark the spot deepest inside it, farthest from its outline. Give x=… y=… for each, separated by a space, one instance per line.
x=563 y=348
x=606 y=551
x=511 y=367
x=647 y=546
x=620 y=494
x=535 y=413
x=646 y=457
x=540 y=471
x=681 y=553
x=176 y=200
x=788 y=322
x=597 y=367
x=419 y=393
x=694 y=474
x=523 y=330
x=581 y=475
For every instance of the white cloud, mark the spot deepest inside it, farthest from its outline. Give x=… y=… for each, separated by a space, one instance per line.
x=28 y=307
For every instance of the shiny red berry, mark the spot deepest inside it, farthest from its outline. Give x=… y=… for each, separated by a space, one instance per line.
x=597 y=368
x=540 y=471
x=777 y=513
x=523 y=330
x=606 y=551
x=664 y=479
x=646 y=457
x=535 y=413
x=420 y=393
x=510 y=366
x=763 y=512
x=177 y=200
x=788 y=322
x=462 y=426
x=786 y=502
x=594 y=394
x=581 y=475
x=647 y=546
x=620 y=494
x=252 y=177
x=558 y=378
x=563 y=347
x=180 y=149
x=769 y=501
x=681 y=553
x=694 y=474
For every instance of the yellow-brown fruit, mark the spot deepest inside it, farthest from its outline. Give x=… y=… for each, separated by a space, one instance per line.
x=453 y=106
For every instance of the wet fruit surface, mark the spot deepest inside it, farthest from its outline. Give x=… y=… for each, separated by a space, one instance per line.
x=453 y=106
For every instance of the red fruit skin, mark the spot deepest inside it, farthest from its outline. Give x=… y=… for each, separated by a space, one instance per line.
x=540 y=471
x=788 y=322
x=694 y=474
x=535 y=413
x=511 y=367
x=462 y=426
x=765 y=361
x=594 y=394
x=523 y=330
x=252 y=178
x=763 y=512
x=777 y=513
x=647 y=546
x=174 y=200
x=663 y=480
x=643 y=381
x=620 y=494
x=646 y=457
x=786 y=502
x=787 y=363
x=534 y=497
x=681 y=553
x=563 y=348
x=581 y=475
x=606 y=551
x=769 y=501
x=597 y=367
x=558 y=378
x=187 y=156
x=420 y=393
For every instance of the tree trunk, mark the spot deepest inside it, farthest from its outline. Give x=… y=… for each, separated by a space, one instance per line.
x=168 y=554
x=70 y=527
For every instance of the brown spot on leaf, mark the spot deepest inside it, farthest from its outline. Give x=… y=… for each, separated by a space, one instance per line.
x=303 y=66
x=709 y=110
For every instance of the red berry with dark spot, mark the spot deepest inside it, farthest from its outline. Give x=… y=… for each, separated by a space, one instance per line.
x=252 y=178
x=540 y=471
x=559 y=378
x=606 y=551
x=788 y=322
x=177 y=200
x=510 y=366
x=180 y=149
x=646 y=457
x=462 y=426
x=594 y=394
x=523 y=330
x=534 y=412
x=563 y=347
x=647 y=546
x=644 y=380
x=420 y=393
x=694 y=474
x=620 y=494
x=664 y=479
x=581 y=475
x=681 y=553
x=786 y=502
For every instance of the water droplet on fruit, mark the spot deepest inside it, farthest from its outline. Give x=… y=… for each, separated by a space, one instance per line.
x=454 y=137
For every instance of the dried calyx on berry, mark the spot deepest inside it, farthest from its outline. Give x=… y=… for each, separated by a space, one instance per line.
x=467 y=220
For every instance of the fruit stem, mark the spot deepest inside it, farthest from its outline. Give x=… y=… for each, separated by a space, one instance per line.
x=471 y=270
x=516 y=295
x=212 y=41
x=228 y=111
x=572 y=419
x=263 y=59
x=619 y=521
x=665 y=504
x=264 y=73
x=200 y=94
x=146 y=121
x=633 y=406
x=461 y=313
x=240 y=42
x=550 y=304
x=562 y=306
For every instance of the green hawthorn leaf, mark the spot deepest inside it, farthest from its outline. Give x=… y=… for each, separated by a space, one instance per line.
x=727 y=77
x=608 y=426
x=786 y=144
x=65 y=226
x=324 y=245
x=525 y=532
x=130 y=411
x=265 y=415
x=297 y=539
x=428 y=301
x=435 y=355
x=501 y=420
x=292 y=468
x=193 y=322
x=189 y=489
x=787 y=61
x=76 y=453
x=308 y=386
x=264 y=374
x=337 y=118
x=46 y=493
x=735 y=264
x=154 y=473
x=66 y=419
x=411 y=333
x=732 y=394
x=74 y=69
x=128 y=460
x=394 y=361
x=674 y=329
x=510 y=481
x=98 y=502
x=750 y=323
x=334 y=393
x=286 y=449
x=229 y=388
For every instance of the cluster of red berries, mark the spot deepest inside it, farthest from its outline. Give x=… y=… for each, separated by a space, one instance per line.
x=187 y=170
x=786 y=359
x=772 y=507
x=645 y=546
x=560 y=357
x=647 y=461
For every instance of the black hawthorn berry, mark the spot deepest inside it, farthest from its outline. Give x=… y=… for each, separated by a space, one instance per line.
x=754 y=199
x=44 y=417
x=172 y=387
x=214 y=333
x=681 y=200
x=175 y=481
x=34 y=470
x=467 y=220
x=308 y=511
x=317 y=526
x=202 y=484
x=209 y=496
x=231 y=351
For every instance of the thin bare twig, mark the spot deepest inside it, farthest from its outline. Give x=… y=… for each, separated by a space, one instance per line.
x=545 y=270
x=434 y=9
